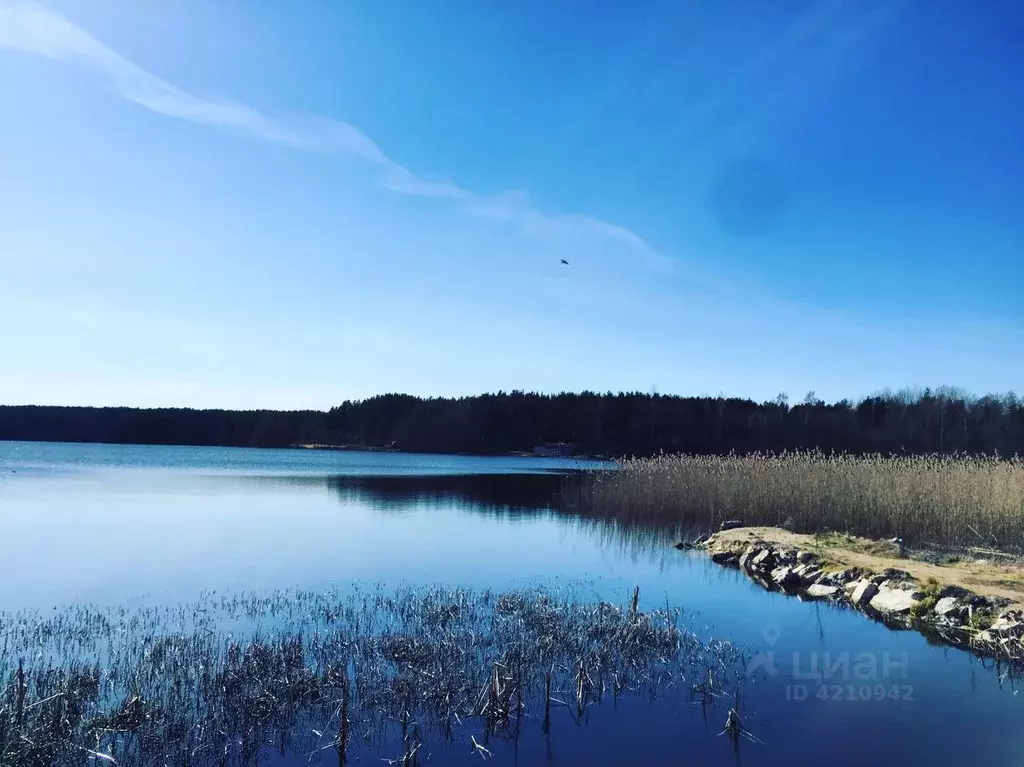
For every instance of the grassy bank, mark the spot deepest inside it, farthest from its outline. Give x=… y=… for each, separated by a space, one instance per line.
x=951 y=501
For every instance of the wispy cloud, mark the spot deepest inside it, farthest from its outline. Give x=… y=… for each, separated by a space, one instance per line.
x=32 y=28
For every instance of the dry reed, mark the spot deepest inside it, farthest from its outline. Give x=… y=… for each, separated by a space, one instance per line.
x=226 y=680
x=944 y=500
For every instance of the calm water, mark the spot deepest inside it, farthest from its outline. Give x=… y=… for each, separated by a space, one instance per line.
x=125 y=525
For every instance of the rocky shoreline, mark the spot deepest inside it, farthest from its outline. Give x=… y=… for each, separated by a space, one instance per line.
x=951 y=614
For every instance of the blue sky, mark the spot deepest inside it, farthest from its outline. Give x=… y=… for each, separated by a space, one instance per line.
x=264 y=204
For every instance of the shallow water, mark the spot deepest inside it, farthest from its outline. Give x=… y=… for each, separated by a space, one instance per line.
x=127 y=525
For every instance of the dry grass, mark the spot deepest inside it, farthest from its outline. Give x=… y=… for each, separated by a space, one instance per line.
x=943 y=500
x=338 y=677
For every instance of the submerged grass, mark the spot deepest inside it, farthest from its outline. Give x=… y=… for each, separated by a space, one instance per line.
x=326 y=675
x=947 y=500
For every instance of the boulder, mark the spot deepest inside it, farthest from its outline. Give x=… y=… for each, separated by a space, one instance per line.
x=894 y=573
x=746 y=556
x=785 y=557
x=818 y=591
x=763 y=560
x=954 y=591
x=785 y=578
x=841 y=578
x=952 y=609
x=731 y=524
x=805 y=557
x=894 y=601
x=847 y=578
x=978 y=602
x=725 y=558
x=810 y=575
x=890 y=574
x=863 y=592
x=899 y=584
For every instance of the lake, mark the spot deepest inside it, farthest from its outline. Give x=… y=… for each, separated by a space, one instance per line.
x=147 y=528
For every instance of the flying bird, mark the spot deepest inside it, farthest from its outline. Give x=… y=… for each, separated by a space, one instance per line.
x=564 y=262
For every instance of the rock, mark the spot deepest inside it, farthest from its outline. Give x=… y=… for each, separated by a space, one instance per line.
x=891 y=601
x=746 y=556
x=786 y=556
x=731 y=524
x=763 y=560
x=949 y=605
x=841 y=578
x=902 y=585
x=811 y=575
x=890 y=574
x=954 y=591
x=817 y=591
x=854 y=573
x=725 y=558
x=846 y=578
x=978 y=602
x=808 y=573
x=785 y=578
x=805 y=557
x=946 y=605
x=863 y=592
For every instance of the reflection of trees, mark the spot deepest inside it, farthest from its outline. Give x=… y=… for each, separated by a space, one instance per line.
x=504 y=495
x=484 y=494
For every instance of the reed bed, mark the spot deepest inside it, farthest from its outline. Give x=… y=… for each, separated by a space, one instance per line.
x=329 y=676
x=944 y=500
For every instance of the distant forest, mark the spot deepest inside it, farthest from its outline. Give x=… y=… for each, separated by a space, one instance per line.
x=942 y=420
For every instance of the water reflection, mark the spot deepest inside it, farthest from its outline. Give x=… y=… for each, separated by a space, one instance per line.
x=508 y=496
x=548 y=498
x=487 y=494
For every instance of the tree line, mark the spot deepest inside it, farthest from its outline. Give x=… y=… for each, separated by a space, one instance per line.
x=636 y=424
